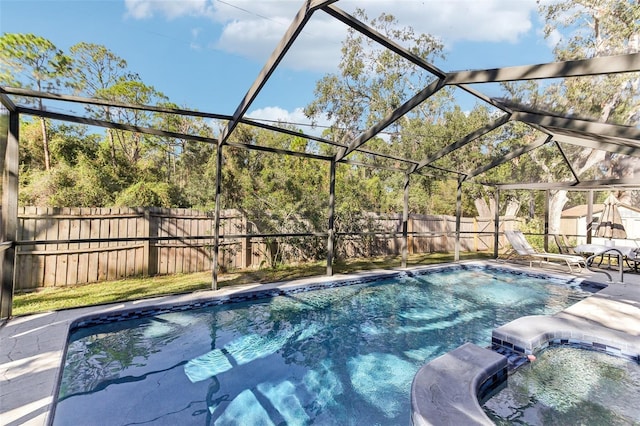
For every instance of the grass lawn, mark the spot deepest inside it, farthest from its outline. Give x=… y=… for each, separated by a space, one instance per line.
x=51 y=299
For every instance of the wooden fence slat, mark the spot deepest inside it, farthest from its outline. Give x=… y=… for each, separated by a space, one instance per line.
x=179 y=229
x=51 y=233
x=84 y=230
x=103 y=258
x=94 y=258
x=38 y=227
x=73 y=259
x=62 y=260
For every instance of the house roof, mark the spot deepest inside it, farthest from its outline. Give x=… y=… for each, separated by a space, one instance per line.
x=581 y=210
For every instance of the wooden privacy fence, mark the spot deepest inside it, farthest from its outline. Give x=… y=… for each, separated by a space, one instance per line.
x=426 y=234
x=152 y=241
x=68 y=246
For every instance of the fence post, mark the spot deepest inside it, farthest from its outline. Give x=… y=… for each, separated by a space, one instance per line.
x=246 y=243
x=150 y=256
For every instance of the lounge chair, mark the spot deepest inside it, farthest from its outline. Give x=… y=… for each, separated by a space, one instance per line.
x=521 y=247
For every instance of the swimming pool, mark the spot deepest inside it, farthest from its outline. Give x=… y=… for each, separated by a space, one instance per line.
x=341 y=355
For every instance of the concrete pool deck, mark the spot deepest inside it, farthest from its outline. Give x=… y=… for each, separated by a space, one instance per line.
x=32 y=347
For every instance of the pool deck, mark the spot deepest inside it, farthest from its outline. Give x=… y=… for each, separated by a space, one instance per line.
x=32 y=347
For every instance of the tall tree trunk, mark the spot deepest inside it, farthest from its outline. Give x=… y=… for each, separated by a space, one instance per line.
x=112 y=142
x=45 y=144
x=557 y=200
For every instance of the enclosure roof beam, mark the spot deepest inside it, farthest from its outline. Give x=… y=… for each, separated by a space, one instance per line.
x=7 y=102
x=371 y=166
x=495 y=102
x=566 y=161
x=371 y=33
x=578 y=125
x=290 y=132
x=294 y=30
x=322 y=140
x=465 y=140
x=510 y=156
x=113 y=125
x=162 y=133
x=595 y=143
x=392 y=117
x=108 y=103
x=577 y=68
x=573 y=186
x=151 y=108
x=279 y=151
x=442 y=169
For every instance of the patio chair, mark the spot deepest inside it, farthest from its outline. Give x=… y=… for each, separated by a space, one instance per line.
x=563 y=244
x=521 y=247
x=632 y=258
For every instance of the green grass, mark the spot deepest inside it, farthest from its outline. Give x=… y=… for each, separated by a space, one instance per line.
x=52 y=299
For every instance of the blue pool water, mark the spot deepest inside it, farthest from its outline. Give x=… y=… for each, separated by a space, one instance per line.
x=344 y=355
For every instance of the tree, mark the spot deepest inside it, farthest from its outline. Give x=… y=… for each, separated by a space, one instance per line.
x=373 y=80
x=31 y=61
x=592 y=28
x=278 y=193
x=131 y=145
x=95 y=70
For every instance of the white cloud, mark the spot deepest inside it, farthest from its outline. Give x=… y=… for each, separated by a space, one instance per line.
x=253 y=29
x=296 y=117
x=170 y=9
x=195 y=43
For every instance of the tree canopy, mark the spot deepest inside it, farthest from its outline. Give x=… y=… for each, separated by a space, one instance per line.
x=77 y=165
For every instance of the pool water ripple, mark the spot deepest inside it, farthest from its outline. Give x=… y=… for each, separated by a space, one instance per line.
x=344 y=355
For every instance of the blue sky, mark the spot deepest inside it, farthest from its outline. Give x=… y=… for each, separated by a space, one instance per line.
x=205 y=54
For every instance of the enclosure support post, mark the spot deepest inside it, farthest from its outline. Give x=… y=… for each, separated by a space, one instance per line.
x=331 y=231
x=10 y=163
x=547 y=195
x=496 y=224
x=589 y=216
x=458 y=215
x=216 y=222
x=405 y=220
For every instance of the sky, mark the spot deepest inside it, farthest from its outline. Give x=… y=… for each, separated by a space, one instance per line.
x=205 y=54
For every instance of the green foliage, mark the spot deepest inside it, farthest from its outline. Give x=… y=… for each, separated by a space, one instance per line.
x=533 y=228
x=31 y=61
x=372 y=80
x=150 y=194
x=280 y=194
x=80 y=185
x=69 y=143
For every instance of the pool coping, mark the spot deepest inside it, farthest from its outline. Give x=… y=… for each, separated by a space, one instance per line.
x=32 y=349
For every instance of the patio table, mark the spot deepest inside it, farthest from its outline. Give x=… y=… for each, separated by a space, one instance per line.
x=629 y=254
